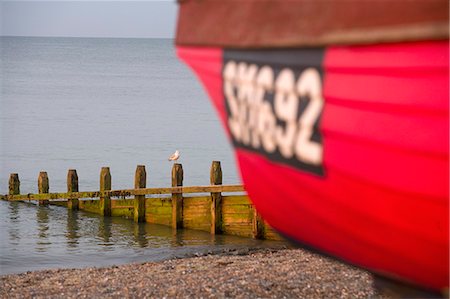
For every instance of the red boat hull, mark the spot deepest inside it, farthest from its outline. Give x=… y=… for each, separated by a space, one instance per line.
x=373 y=188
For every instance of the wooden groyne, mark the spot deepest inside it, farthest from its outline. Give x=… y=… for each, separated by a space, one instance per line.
x=203 y=208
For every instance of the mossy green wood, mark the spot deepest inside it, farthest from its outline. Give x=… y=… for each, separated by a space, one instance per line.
x=270 y=233
x=197 y=213
x=90 y=205
x=122 y=208
x=117 y=204
x=60 y=203
x=230 y=214
x=124 y=192
x=105 y=184
x=159 y=211
x=177 y=198
x=72 y=186
x=236 y=229
x=43 y=186
x=123 y=212
x=236 y=200
x=140 y=180
x=237 y=215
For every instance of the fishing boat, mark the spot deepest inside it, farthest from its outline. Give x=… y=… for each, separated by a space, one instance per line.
x=338 y=112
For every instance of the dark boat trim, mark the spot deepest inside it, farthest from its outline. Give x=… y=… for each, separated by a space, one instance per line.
x=269 y=23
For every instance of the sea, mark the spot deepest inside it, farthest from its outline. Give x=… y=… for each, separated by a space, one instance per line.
x=85 y=103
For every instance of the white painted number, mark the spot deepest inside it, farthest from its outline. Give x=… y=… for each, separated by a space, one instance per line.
x=252 y=120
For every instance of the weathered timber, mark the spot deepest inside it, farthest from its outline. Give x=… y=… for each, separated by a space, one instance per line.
x=177 y=198
x=140 y=180
x=72 y=186
x=197 y=213
x=158 y=211
x=122 y=208
x=237 y=216
x=14 y=184
x=43 y=186
x=215 y=178
x=105 y=184
x=258 y=225
x=127 y=192
x=90 y=205
x=213 y=212
x=236 y=229
x=270 y=233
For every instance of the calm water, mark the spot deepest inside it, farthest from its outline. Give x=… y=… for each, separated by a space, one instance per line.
x=33 y=238
x=87 y=103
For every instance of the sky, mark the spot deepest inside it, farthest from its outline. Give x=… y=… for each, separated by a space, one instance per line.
x=141 y=19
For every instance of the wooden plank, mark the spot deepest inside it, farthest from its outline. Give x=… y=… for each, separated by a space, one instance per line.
x=164 y=219
x=58 y=203
x=202 y=227
x=235 y=200
x=193 y=200
x=235 y=209
x=197 y=213
x=271 y=234
x=192 y=210
x=159 y=210
x=157 y=202
x=227 y=219
x=237 y=215
x=158 y=206
x=120 y=211
x=127 y=192
x=239 y=227
x=122 y=203
x=198 y=206
x=243 y=231
x=90 y=206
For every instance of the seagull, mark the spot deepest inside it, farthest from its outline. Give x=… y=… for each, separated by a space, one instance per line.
x=174 y=156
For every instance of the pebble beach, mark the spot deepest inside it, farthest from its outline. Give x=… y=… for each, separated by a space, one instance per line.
x=267 y=273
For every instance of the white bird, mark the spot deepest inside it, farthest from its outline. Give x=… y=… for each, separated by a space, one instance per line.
x=174 y=156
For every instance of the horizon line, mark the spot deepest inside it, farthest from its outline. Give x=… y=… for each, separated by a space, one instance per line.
x=73 y=36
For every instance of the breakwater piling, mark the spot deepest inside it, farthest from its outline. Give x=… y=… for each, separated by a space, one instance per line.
x=215 y=208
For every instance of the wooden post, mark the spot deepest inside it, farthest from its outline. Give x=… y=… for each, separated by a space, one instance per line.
x=14 y=184
x=258 y=225
x=216 y=198
x=177 y=198
x=140 y=179
x=72 y=186
x=43 y=186
x=105 y=185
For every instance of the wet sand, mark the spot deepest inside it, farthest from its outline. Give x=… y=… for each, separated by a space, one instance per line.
x=288 y=273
